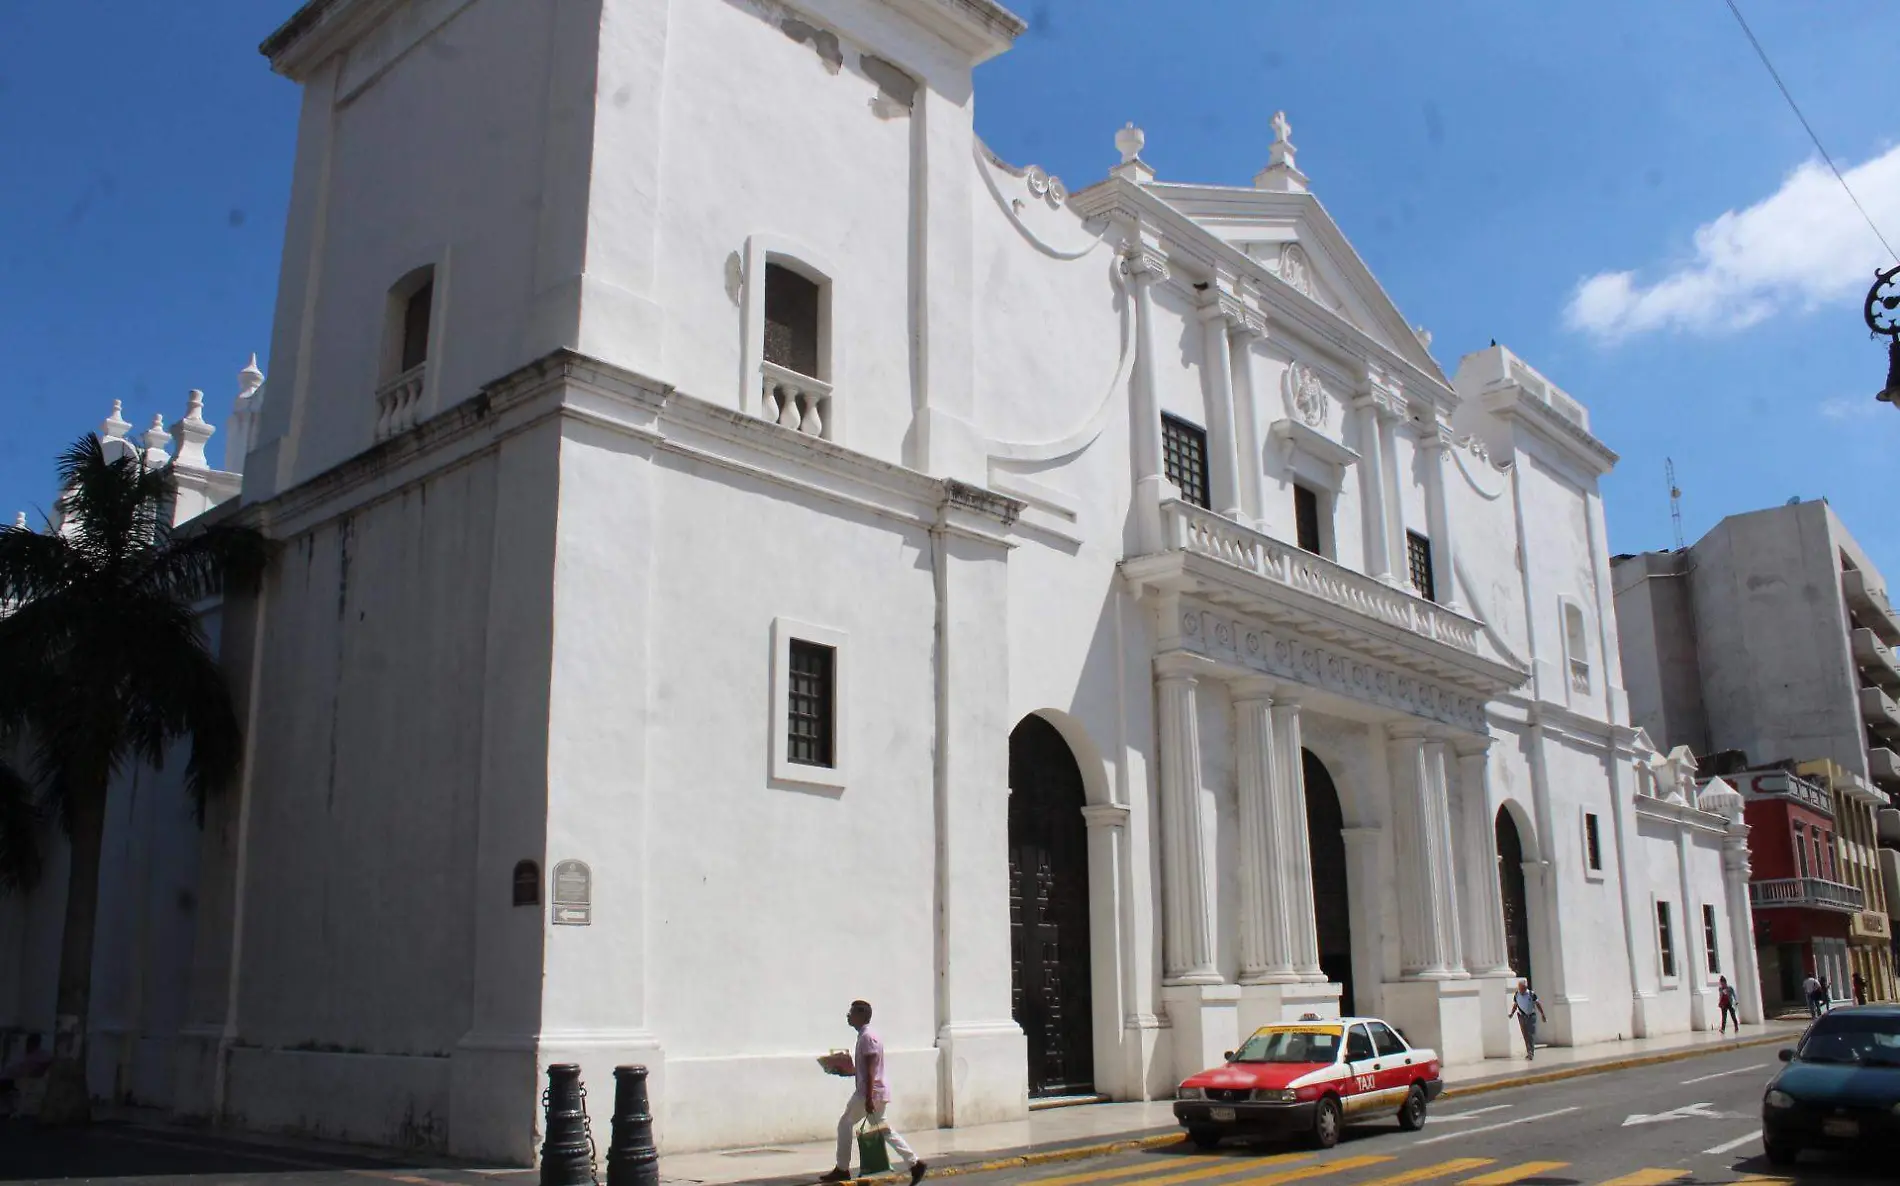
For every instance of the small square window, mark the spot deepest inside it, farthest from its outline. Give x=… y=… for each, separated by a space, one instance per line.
x=1306 y=519
x=810 y=701
x=1665 y=941
x=1418 y=561
x=1593 y=842
x=1709 y=944
x=1184 y=456
x=809 y=717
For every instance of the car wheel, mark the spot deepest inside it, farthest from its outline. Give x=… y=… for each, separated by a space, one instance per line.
x=1779 y=1153
x=1204 y=1138
x=1326 y=1122
x=1412 y=1111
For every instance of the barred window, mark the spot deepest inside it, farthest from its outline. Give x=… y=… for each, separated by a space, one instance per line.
x=791 y=320
x=1418 y=560
x=1593 y=842
x=809 y=713
x=1708 y=939
x=1666 y=941
x=1306 y=519
x=1184 y=456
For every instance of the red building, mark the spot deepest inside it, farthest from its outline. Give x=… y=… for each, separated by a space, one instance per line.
x=1802 y=907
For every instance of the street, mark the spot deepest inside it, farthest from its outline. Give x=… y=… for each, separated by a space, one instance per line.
x=1692 y=1121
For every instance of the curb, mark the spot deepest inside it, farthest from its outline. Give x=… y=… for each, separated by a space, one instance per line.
x=1163 y=1140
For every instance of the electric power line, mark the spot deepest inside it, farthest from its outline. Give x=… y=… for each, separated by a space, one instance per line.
x=1796 y=107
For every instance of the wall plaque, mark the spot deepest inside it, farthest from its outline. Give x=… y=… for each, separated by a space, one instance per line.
x=573 y=894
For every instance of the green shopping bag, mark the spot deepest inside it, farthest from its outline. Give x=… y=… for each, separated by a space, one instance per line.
x=873 y=1156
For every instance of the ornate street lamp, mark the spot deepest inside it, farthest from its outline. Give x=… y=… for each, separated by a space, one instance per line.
x=1883 y=299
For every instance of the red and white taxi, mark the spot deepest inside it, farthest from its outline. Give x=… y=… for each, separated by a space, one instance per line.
x=1310 y=1078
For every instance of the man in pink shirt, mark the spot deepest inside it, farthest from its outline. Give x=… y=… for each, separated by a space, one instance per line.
x=869 y=1098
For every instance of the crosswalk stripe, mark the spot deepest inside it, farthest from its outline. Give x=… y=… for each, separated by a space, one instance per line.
x=1148 y=1166
x=1516 y=1173
x=1650 y=1177
x=1426 y=1173
x=1303 y=1172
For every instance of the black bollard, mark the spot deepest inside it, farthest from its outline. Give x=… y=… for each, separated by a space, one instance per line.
x=567 y=1151
x=631 y=1158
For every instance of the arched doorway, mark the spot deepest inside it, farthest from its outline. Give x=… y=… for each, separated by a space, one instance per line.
x=1517 y=930
x=1049 y=910
x=1332 y=908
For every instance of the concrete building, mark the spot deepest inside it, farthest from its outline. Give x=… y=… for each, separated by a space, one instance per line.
x=1771 y=638
x=743 y=546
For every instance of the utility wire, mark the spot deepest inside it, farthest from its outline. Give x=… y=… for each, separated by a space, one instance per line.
x=1776 y=75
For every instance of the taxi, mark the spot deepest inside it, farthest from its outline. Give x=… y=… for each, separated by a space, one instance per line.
x=1310 y=1078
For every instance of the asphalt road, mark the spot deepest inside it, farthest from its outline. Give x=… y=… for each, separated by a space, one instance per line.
x=1702 y=1127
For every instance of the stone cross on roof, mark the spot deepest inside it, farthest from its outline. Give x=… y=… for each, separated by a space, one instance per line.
x=1281 y=174
x=1282 y=130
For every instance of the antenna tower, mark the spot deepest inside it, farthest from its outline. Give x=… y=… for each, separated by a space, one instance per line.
x=1675 y=499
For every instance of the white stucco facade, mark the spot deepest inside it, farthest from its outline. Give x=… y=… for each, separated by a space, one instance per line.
x=533 y=599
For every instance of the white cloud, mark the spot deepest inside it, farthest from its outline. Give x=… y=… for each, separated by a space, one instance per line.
x=1864 y=407
x=1799 y=247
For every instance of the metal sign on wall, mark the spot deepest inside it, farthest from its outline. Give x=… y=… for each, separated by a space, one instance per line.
x=573 y=894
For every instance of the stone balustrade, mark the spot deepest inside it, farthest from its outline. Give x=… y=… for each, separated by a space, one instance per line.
x=1814 y=893
x=1189 y=528
x=399 y=402
x=798 y=402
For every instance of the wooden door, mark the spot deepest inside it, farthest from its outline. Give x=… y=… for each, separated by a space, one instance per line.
x=1049 y=911
x=1517 y=932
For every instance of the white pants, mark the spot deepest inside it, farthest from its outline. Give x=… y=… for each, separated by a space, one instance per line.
x=847 y=1132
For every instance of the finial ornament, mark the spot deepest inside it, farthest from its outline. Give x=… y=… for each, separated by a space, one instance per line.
x=1281 y=174
x=1129 y=142
x=250 y=378
x=1282 y=130
x=19 y=521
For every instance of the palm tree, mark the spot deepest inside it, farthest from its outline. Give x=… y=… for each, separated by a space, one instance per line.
x=104 y=664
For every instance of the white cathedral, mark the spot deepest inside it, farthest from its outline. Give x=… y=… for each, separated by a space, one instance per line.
x=741 y=546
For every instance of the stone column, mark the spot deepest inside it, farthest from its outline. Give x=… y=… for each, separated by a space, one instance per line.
x=1388 y=481
x=1187 y=930
x=1482 y=899
x=1296 y=853
x=1266 y=954
x=1428 y=929
x=1435 y=441
x=1247 y=442
x=1746 y=976
x=1145 y=266
x=1372 y=509
x=1223 y=458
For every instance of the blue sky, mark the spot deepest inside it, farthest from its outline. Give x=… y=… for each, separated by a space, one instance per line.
x=1614 y=189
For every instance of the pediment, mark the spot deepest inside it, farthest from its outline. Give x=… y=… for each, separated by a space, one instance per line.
x=1296 y=240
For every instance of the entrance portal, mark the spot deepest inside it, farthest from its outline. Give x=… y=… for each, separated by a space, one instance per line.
x=1517 y=932
x=1049 y=910
x=1332 y=909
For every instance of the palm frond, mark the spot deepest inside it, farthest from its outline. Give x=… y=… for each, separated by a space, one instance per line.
x=115 y=507
x=36 y=564
x=21 y=825
x=197 y=565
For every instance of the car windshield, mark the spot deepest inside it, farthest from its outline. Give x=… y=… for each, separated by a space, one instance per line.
x=1866 y=1039
x=1291 y=1044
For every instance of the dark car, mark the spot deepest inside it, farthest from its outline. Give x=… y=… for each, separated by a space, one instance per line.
x=1841 y=1087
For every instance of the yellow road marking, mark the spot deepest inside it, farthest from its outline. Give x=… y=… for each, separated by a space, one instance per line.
x=1516 y=1173
x=1443 y=1169
x=1648 y=1178
x=1763 y=1180
x=1301 y=1173
x=1229 y=1166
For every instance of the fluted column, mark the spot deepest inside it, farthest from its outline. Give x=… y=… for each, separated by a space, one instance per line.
x=1428 y=905
x=1435 y=443
x=1144 y=266
x=1188 y=934
x=1266 y=949
x=1388 y=479
x=1372 y=509
x=1482 y=897
x=1296 y=852
x=1247 y=442
x=1223 y=458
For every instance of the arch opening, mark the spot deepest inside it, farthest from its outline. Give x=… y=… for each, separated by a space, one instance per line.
x=1332 y=902
x=1050 y=972
x=1513 y=894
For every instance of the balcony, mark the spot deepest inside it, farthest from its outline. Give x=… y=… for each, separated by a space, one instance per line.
x=1875 y=658
x=1879 y=711
x=1869 y=600
x=1883 y=764
x=399 y=402
x=1869 y=926
x=1233 y=565
x=798 y=402
x=1887 y=820
x=1810 y=893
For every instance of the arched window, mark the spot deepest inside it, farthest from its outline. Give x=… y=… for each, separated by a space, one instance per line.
x=1577 y=643
x=790 y=344
x=408 y=321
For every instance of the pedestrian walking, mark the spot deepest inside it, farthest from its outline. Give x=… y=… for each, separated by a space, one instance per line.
x=1827 y=995
x=1812 y=987
x=869 y=1098
x=1860 y=989
x=1725 y=1000
x=1527 y=1009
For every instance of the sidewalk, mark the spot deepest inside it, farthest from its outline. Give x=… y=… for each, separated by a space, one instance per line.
x=1061 y=1134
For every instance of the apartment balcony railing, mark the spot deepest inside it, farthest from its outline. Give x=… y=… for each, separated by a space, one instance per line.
x=1887 y=823
x=1870 y=601
x=1875 y=658
x=1812 y=893
x=1883 y=764
x=1188 y=528
x=798 y=402
x=1879 y=710
x=399 y=402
